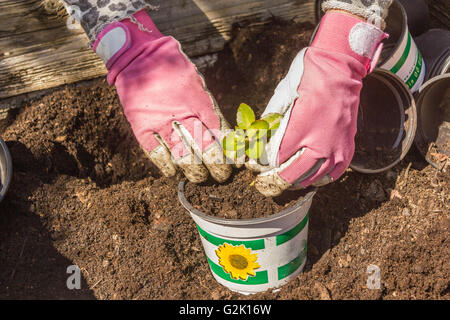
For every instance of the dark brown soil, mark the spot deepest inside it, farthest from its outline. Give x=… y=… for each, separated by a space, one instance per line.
x=238 y=198
x=83 y=194
x=253 y=63
x=438 y=155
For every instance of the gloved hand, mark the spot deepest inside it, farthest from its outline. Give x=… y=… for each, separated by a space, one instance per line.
x=319 y=101
x=173 y=116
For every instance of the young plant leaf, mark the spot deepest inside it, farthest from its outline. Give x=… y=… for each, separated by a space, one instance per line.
x=273 y=119
x=255 y=149
x=230 y=154
x=240 y=140
x=245 y=116
x=257 y=130
x=229 y=142
x=250 y=136
x=233 y=144
x=259 y=124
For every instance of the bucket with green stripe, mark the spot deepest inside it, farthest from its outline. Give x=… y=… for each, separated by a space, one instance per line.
x=254 y=255
x=400 y=53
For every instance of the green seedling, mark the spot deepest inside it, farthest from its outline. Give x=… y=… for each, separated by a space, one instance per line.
x=250 y=135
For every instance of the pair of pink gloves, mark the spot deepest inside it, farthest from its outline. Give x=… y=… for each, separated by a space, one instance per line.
x=178 y=124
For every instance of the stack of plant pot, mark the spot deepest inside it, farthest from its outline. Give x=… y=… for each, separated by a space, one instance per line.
x=387 y=117
x=5 y=169
x=429 y=80
x=433 y=98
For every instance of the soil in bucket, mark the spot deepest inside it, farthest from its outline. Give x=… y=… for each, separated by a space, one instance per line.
x=386 y=123
x=238 y=198
x=379 y=126
x=433 y=137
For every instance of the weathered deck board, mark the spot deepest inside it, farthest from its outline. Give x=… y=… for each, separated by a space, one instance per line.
x=38 y=51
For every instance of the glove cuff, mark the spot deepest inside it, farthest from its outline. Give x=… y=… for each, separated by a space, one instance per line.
x=346 y=34
x=121 y=42
x=373 y=11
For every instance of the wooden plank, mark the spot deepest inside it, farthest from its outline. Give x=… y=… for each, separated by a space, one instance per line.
x=38 y=51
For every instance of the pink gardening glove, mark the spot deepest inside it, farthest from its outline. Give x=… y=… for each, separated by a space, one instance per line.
x=173 y=116
x=319 y=100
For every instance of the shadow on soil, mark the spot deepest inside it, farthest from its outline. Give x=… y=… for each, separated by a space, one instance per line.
x=355 y=195
x=30 y=266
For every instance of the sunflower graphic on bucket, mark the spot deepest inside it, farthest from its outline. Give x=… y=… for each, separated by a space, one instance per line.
x=238 y=261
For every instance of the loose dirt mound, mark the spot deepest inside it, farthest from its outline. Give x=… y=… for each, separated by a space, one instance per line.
x=84 y=194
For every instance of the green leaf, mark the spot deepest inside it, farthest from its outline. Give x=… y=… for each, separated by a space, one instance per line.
x=260 y=124
x=273 y=119
x=245 y=116
x=240 y=145
x=257 y=130
x=240 y=133
x=255 y=149
x=231 y=154
x=229 y=142
x=240 y=137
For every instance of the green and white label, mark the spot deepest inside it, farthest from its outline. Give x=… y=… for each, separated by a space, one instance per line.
x=257 y=264
x=407 y=63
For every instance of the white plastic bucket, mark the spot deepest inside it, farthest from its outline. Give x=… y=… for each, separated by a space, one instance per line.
x=387 y=123
x=5 y=169
x=400 y=54
x=272 y=249
x=433 y=109
x=435 y=48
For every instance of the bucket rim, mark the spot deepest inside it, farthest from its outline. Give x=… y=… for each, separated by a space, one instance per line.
x=402 y=35
x=5 y=164
x=420 y=140
x=241 y=222
x=410 y=134
x=395 y=46
x=434 y=45
x=444 y=63
x=431 y=81
x=440 y=65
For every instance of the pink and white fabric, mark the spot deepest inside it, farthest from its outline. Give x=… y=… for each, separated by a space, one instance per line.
x=173 y=116
x=319 y=99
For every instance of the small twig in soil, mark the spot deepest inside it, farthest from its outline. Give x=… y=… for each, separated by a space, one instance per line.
x=435 y=181
x=81 y=269
x=13 y=273
x=407 y=172
x=95 y=284
x=23 y=247
x=322 y=290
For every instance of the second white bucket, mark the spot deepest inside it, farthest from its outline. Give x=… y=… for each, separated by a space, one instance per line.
x=254 y=255
x=400 y=54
